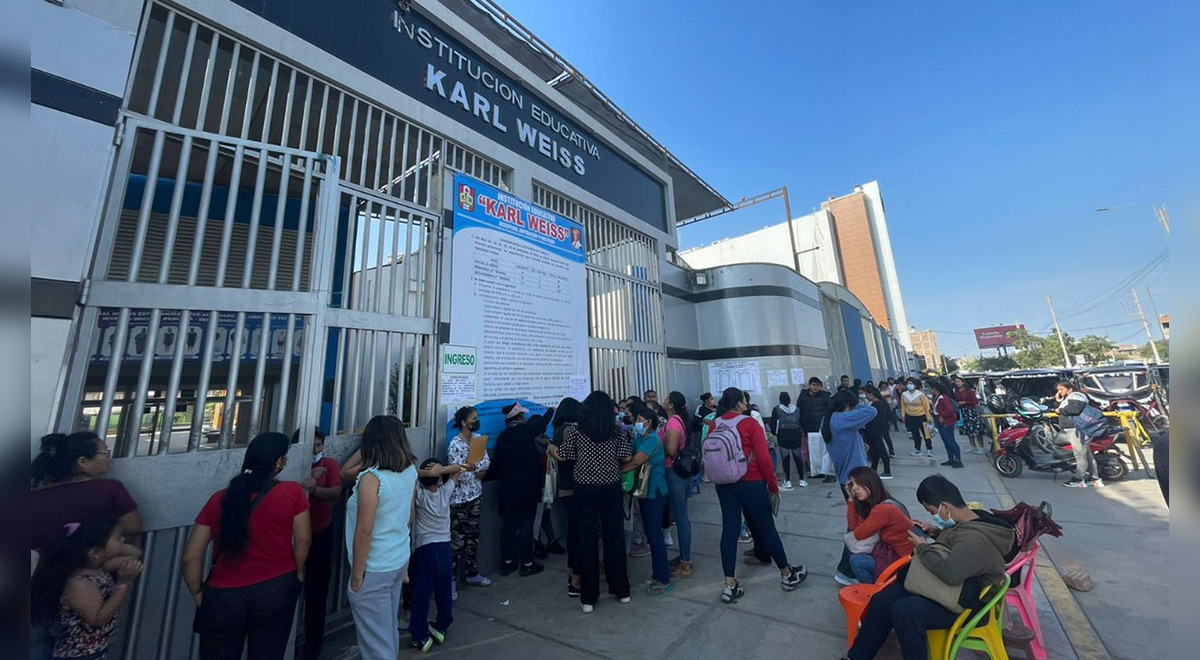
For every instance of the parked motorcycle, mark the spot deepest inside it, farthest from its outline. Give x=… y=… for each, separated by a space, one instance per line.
x=1033 y=442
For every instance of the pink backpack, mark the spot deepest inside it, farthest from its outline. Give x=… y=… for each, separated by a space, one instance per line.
x=724 y=460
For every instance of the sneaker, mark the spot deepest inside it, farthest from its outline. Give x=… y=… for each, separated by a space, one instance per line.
x=479 y=581
x=624 y=600
x=957 y=464
x=587 y=609
x=572 y=590
x=539 y=550
x=423 y=646
x=755 y=561
x=886 y=475
x=802 y=483
x=929 y=453
x=556 y=548
x=947 y=463
x=892 y=454
x=642 y=550
x=916 y=452
x=844 y=580
x=437 y=635
x=745 y=538
x=658 y=589
x=829 y=479
x=793 y=579
x=1076 y=482
x=1096 y=483
x=668 y=540
x=508 y=567
x=787 y=485
x=682 y=570
x=532 y=568
x=730 y=595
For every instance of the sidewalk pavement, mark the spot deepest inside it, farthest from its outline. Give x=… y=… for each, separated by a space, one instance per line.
x=1111 y=533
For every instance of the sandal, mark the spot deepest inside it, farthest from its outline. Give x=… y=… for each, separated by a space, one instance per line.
x=658 y=589
x=730 y=595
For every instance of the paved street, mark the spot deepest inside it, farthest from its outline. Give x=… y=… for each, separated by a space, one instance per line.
x=1111 y=533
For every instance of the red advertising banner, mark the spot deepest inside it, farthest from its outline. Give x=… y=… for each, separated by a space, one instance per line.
x=995 y=336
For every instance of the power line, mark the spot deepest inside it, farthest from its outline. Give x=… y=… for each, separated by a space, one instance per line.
x=1120 y=288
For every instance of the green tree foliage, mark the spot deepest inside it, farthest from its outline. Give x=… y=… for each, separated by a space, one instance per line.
x=1096 y=348
x=1163 y=350
x=990 y=363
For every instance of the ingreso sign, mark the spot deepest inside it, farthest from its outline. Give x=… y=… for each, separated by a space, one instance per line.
x=458 y=359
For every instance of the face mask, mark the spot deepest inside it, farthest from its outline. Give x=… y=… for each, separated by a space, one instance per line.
x=944 y=523
x=475 y=426
x=318 y=457
x=910 y=387
x=620 y=419
x=639 y=428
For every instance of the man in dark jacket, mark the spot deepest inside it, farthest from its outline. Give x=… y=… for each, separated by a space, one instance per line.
x=1070 y=404
x=813 y=404
x=517 y=466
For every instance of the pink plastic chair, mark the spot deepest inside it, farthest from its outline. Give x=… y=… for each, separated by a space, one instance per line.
x=1022 y=598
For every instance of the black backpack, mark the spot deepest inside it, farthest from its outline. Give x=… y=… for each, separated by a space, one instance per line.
x=687 y=463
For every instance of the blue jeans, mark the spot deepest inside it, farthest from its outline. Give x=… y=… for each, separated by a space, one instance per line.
x=677 y=492
x=953 y=453
x=430 y=574
x=863 y=567
x=752 y=498
x=652 y=515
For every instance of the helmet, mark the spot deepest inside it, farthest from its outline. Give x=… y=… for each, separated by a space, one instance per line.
x=1030 y=409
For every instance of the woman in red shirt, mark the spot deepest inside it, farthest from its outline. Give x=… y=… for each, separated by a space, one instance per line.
x=261 y=531
x=755 y=494
x=324 y=487
x=968 y=403
x=870 y=511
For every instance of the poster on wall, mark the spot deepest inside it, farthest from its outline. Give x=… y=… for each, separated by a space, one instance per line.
x=742 y=374
x=798 y=377
x=777 y=377
x=519 y=295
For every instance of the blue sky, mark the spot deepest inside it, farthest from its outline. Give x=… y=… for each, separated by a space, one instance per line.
x=994 y=129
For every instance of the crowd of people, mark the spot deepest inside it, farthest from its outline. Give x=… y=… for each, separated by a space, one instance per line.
x=623 y=473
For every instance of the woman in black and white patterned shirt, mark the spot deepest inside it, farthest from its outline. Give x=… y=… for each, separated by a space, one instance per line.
x=598 y=447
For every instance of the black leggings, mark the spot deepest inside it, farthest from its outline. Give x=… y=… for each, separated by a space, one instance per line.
x=317 y=572
x=788 y=453
x=916 y=426
x=879 y=452
x=257 y=617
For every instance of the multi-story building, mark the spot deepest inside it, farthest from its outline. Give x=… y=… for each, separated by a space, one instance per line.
x=925 y=344
x=845 y=242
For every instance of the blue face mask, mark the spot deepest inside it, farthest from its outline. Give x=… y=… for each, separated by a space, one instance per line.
x=639 y=428
x=944 y=523
x=620 y=420
x=910 y=387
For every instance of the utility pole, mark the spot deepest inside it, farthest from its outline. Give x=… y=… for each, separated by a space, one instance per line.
x=787 y=208
x=1161 y=212
x=1061 y=342
x=1157 y=317
x=1146 y=324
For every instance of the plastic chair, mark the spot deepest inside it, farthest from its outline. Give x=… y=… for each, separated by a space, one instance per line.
x=1021 y=598
x=856 y=597
x=969 y=634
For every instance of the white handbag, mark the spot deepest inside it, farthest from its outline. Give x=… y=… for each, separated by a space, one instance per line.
x=861 y=546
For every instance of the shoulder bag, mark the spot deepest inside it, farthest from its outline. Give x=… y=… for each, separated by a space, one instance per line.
x=922 y=582
x=642 y=488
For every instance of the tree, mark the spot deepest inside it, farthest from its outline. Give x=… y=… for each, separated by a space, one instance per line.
x=951 y=365
x=1023 y=340
x=1096 y=348
x=1163 y=346
x=990 y=363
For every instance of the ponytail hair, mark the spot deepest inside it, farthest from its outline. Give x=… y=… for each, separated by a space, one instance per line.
x=730 y=399
x=67 y=555
x=59 y=455
x=841 y=402
x=461 y=415
x=258 y=470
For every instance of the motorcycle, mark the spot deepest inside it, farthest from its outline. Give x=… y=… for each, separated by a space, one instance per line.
x=1032 y=442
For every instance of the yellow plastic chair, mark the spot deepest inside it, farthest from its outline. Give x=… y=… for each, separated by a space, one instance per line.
x=967 y=633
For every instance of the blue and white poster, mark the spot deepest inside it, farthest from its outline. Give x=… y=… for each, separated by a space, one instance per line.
x=519 y=295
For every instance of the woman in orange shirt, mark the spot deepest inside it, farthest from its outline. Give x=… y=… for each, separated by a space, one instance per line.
x=872 y=510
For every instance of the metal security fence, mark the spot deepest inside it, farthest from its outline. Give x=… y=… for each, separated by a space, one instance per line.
x=625 y=314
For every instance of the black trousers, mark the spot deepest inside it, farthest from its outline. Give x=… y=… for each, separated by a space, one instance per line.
x=879 y=451
x=516 y=534
x=601 y=514
x=257 y=618
x=317 y=571
x=910 y=615
x=916 y=426
x=569 y=503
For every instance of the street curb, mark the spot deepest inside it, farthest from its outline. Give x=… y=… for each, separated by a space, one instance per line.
x=1080 y=632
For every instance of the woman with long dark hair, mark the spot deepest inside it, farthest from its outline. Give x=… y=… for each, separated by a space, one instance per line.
x=751 y=496
x=674 y=440
x=567 y=414
x=917 y=411
x=946 y=415
x=261 y=533
x=378 y=517
x=786 y=420
x=69 y=486
x=968 y=404
x=876 y=430
x=599 y=447
x=872 y=510
x=842 y=429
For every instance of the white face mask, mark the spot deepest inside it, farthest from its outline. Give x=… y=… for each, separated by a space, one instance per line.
x=318 y=457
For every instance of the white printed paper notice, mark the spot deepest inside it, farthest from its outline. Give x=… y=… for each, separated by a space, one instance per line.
x=742 y=374
x=798 y=377
x=777 y=377
x=458 y=388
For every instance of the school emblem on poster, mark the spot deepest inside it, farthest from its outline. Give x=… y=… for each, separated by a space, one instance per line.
x=466 y=197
